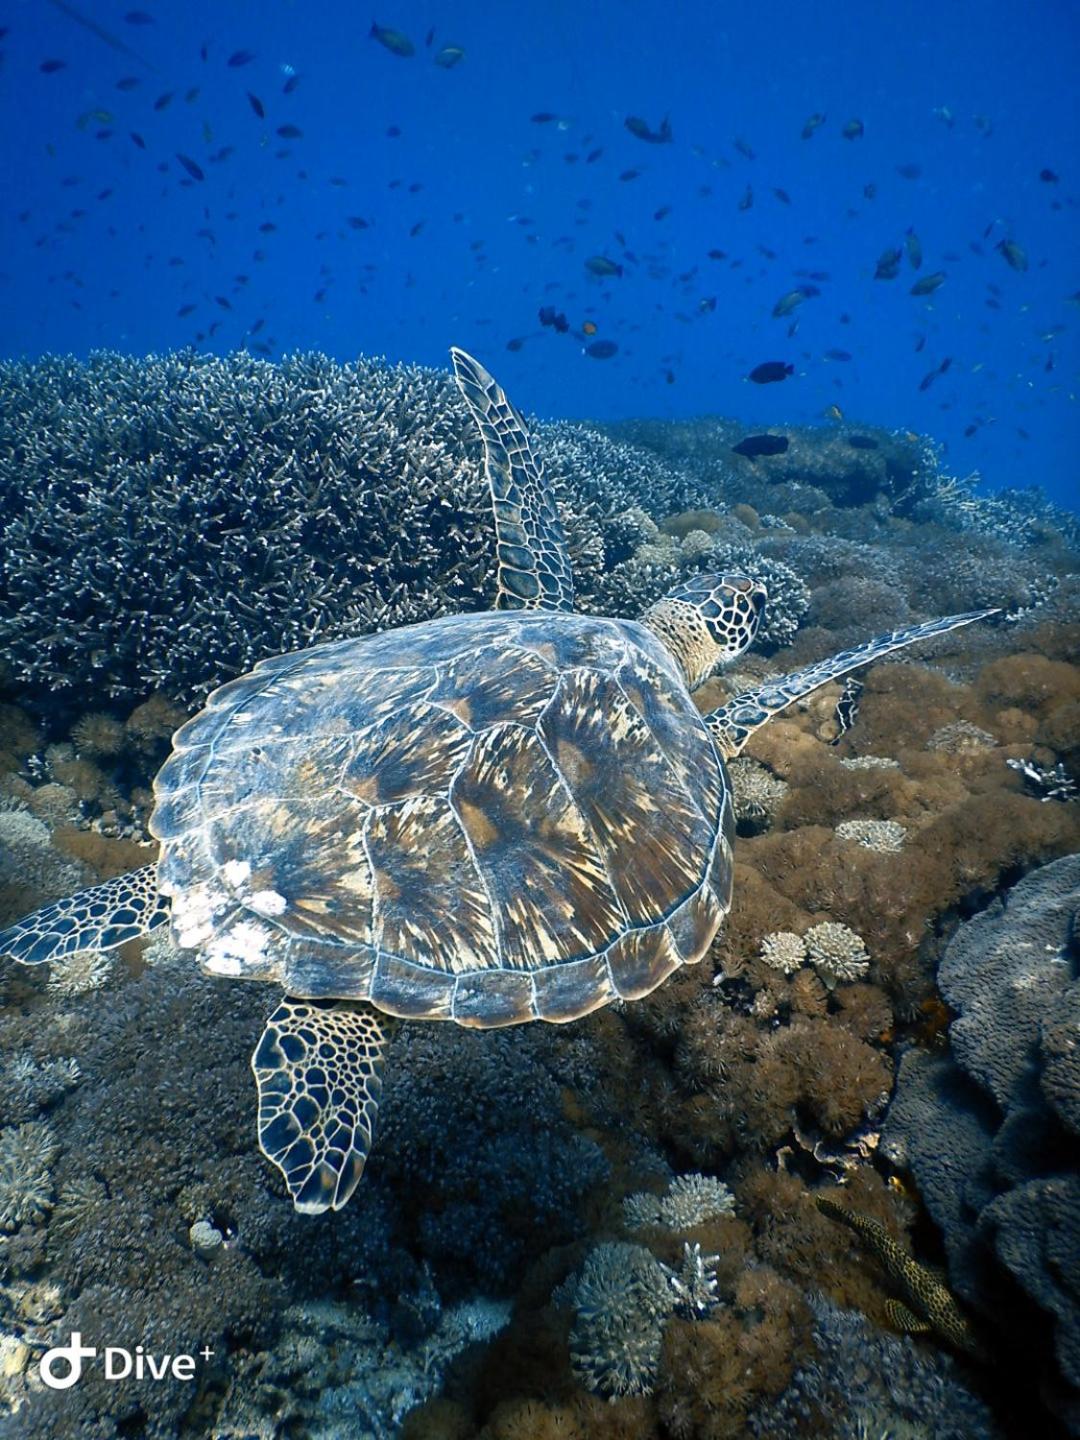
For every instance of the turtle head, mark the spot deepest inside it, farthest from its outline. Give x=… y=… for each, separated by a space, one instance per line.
x=707 y=620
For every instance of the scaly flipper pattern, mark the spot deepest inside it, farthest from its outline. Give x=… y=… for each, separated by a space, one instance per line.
x=734 y=723
x=927 y=1304
x=534 y=567
x=318 y=1066
x=99 y=918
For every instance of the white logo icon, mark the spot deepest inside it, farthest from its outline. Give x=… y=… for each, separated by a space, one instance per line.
x=72 y=1355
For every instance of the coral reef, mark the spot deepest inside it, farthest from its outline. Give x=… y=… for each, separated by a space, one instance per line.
x=991 y=1131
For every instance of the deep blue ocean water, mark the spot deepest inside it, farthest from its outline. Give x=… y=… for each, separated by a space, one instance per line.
x=410 y=205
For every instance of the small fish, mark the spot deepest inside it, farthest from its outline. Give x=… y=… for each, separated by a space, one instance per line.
x=290 y=132
x=863 y=442
x=832 y=412
x=163 y=101
x=138 y=139
x=138 y=17
x=663 y=212
x=592 y=157
x=543 y=117
x=392 y=40
x=782 y=195
x=639 y=127
x=602 y=349
x=602 y=265
x=927 y=284
x=838 y=355
x=909 y=171
x=770 y=371
x=787 y=303
x=290 y=84
x=195 y=171
x=128 y=82
x=589 y=327
x=50 y=67
x=747 y=198
x=853 y=130
x=913 y=248
x=814 y=122
x=449 y=56
x=557 y=321
x=869 y=191
x=357 y=222
x=744 y=148
x=754 y=446
x=1014 y=254
x=185 y=310
x=945 y=115
x=629 y=174
x=515 y=344
x=238 y=58
x=257 y=105
x=1049 y=177
x=888 y=265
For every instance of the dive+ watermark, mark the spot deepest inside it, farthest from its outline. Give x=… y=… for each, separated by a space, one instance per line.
x=62 y=1366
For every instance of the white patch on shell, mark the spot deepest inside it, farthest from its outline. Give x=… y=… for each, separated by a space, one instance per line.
x=236 y=872
x=192 y=917
x=268 y=902
x=242 y=947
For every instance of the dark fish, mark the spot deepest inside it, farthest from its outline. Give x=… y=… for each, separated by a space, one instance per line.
x=392 y=40
x=853 y=130
x=449 y=56
x=543 y=117
x=814 y=122
x=782 y=195
x=50 y=67
x=256 y=105
x=138 y=17
x=629 y=174
x=558 y=322
x=839 y=355
x=602 y=265
x=514 y=344
x=869 y=191
x=592 y=157
x=290 y=132
x=185 y=310
x=639 y=127
x=787 y=303
x=927 y=284
x=602 y=349
x=290 y=84
x=662 y=213
x=744 y=148
x=357 y=222
x=163 y=101
x=888 y=265
x=267 y=227
x=195 y=171
x=1015 y=256
x=770 y=371
x=913 y=248
x=137 y=138
x=753 y=446
x=747 y=198
x=238 y=58
x=1049 y=177
x=909 y=171
x=862 y=442
x=128 y=82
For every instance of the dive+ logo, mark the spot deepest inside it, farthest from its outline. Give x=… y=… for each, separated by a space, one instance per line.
x=62 y=1366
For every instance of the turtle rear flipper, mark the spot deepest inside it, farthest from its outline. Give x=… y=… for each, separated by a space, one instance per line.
x=99 y=918
x=733 y=724
x=318 y=1066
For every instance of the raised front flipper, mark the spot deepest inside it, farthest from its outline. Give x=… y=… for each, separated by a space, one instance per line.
x=99 y=918
x=734 y=723
x=534 y=567
x=318 y=1066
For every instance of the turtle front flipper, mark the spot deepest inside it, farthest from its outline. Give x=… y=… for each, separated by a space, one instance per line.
x=318 y=1066
x=534 y=567
x=99 y=918
x=733 y=724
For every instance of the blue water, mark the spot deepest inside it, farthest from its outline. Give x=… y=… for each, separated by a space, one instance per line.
x=476 y=215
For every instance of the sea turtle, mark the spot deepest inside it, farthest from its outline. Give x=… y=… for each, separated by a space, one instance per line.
x=485 y=818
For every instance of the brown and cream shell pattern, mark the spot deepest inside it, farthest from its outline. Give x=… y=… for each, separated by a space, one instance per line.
x=486 y=818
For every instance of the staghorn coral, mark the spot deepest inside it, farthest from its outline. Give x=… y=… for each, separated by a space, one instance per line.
x=193 y=514
x=885 y=836
x=783 y=950
x=621 y=1299
x=836 y=952
x=757 y=792
x=27 y=1153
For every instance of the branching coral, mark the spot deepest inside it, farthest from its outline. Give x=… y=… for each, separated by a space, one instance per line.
x=885 y=836
x=620 y=1300
x=836 y=952
x=27 y=1153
